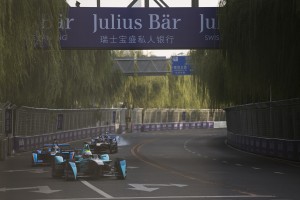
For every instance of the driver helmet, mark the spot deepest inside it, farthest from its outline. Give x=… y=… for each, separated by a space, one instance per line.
x=87 y=154
x=55 y=145
x=101 y=138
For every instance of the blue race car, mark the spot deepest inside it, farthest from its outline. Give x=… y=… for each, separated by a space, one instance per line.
x=88 y=165
x=45 y=155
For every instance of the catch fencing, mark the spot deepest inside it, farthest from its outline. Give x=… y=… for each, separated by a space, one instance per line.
x=25 y=128
x=177 y=119
x=37 y=121
x=270 y=128
x=182 y=115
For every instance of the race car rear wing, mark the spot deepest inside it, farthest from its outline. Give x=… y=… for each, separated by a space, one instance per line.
x=59 y=145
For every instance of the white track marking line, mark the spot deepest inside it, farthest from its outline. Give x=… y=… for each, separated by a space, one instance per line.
x=256 y=168
x=178 y=197
x=278 y=173
x=96 y=189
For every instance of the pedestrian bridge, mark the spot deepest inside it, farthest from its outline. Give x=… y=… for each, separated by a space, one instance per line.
x=145 y=66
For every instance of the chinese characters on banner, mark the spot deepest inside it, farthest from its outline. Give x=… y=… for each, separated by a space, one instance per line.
x=136 y=39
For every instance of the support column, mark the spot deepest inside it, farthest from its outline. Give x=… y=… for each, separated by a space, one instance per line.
x=147 y=4
x=195 y=3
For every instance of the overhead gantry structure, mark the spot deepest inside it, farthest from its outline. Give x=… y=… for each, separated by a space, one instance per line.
x=160 y=3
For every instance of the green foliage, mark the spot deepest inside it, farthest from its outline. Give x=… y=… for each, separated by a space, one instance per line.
x=88 y=79
x=161 y=92
x=48 y=77
x=19 y=58
x=208 y=75
x=259 y=59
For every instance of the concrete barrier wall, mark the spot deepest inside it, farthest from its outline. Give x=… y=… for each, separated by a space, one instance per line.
x=3 y=148
x=28 y=143
x=279 y=148
x=176 y=126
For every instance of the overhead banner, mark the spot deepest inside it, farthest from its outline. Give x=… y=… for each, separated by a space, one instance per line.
x=140 y=28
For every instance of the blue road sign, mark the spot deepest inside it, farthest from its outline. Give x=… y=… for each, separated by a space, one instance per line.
x=181 y=65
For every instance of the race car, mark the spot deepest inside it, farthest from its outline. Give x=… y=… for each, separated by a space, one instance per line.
x=104 y=143
x=88 y=165
x=45 y=155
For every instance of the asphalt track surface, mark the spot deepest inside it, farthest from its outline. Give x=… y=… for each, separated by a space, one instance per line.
x=186 y=164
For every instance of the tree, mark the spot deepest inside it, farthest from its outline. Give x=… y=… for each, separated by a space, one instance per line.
x=34 y=71
x=259 y=57
x=21 y=33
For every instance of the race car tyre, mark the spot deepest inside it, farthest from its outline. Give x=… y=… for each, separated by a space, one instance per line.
x=118 y=168
x=53 y=171
x=69 y=176
x=113 y=149
x=96 y=171
x=32 y=163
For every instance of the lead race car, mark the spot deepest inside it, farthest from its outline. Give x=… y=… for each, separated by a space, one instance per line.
x=45 y=155
x=104 y=143
x=87 y=164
